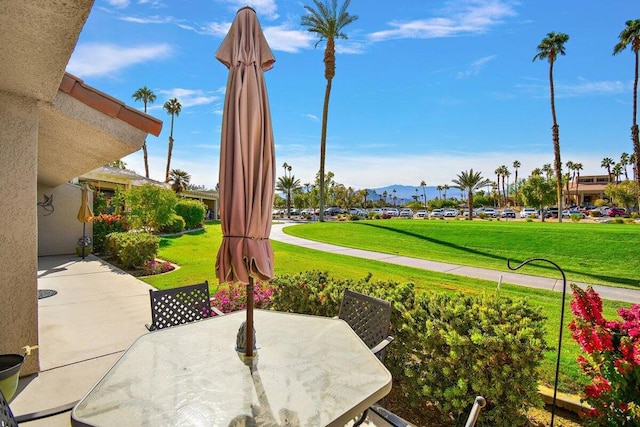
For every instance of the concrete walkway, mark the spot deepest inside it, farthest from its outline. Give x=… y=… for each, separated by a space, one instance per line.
x=606 y=292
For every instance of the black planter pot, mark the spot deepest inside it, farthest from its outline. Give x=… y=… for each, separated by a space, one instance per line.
x=10 y=365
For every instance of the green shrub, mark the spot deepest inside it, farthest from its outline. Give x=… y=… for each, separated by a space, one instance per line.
x=634 y=215
x=175 y=224
x=617 y=221
x=149 y=206
x=462 y=346
x=529 y=219
x=192 y=211
x=576 y=217
x=595 y=214
x=354 y=217
x=447 y=349
x=483 y=215
x=133 y=249
x=105 y=224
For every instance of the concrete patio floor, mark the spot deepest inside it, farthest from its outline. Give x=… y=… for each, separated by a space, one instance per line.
x=97 y=313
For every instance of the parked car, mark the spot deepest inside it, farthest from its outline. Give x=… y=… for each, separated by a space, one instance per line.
x=437 y=213
x=450 y=213
x=616 y=212
x=491 y=212
x=333 y=211
x=528 y=213
x=567 y=213
x=465 y=214
x=508 y=213
x=550 y=212
x=392 y=211
x=357 y=211
x=422 y=213
x=406 y=213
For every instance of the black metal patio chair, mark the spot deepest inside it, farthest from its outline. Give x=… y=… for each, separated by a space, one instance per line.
x=177 y=306
x=370 y=319
x=394 y=420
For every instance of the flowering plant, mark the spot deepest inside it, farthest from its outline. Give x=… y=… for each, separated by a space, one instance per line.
x=234 y=297
x=152 y=267
x=612 y=360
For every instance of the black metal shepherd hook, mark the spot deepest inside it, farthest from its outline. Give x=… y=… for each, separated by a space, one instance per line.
x=564 y=293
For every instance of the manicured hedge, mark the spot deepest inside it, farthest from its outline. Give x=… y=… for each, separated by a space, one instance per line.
x=192 y=211
x=133 y=249
x=448 y=348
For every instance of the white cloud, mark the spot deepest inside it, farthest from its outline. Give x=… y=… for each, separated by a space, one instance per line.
x=312 y=117
x=581 y=87
x=285 y=39
x=100 y=59
x=120 y=4
x=188 y=97
x=156 y=19
x=475 y=68
x=464 y=17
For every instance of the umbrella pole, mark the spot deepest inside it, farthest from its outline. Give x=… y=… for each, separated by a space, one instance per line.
x=249 y=345
x=82 y=247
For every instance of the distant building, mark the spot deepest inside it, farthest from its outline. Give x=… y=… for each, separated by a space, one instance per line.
x=587 y=189
x=106 y=179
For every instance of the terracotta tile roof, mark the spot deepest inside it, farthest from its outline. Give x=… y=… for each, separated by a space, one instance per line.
x=108 y=105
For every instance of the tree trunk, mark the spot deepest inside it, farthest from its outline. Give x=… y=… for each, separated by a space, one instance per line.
x=146 y=158
x=329 y=67
x=166 y=175
x=555 y=131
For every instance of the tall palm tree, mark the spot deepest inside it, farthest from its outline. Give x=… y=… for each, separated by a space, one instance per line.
x=423 y=184
x=179 y=180
x=537 y=172
x=173 y=108
x=328 y=23
x=147 y=96
x=570 y=171
x=470 y=181
x=577 y=167
x=547 y=169
x=505 y=176
x=516 y=166
x=445 y=188
x=607 y=163
x=439 y=188
x=288 y=185
x=631 y=36
x=617 y=171
x=624 y=162
x=498 y=173
x=549 y=48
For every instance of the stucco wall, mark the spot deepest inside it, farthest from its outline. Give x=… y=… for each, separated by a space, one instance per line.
x=59 y=230
x=18 y=226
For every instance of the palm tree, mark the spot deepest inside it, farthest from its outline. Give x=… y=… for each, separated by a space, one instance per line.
x=327 y=22
x=439 y=188
x=617 y=171
x=288 y=185
x=536 y=172
x=624 y=162
x=547 y=169
x=607 y=163
x=445 y=188
x=470 y=181
x=549 y=48
x=147 y=96
x=577 y=167
x=173 y=108
x=505 y=176
x=568 y=180
x=631 y=36
x=423 y=184
x=516 y=166
x=179 y=180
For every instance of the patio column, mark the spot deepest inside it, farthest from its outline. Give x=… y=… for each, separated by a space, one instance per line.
x=19 y=118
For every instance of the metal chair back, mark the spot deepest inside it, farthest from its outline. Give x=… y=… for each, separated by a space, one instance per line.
x=369 y=317
x=6 y=416
x=173 y=307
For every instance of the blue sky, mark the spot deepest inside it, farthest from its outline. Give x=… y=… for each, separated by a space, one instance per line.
x=423 y=89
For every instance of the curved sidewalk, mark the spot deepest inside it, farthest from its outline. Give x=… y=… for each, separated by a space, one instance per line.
x=607 y=292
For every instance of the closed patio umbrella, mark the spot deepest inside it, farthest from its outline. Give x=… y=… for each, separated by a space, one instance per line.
x=247 y=159
x=85 y=215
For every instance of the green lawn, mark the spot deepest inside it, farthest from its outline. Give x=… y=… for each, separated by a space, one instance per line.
x=604 y=254
x=196 y=253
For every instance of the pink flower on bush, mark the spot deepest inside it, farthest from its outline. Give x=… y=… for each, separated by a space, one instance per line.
x=613 y=361
x=233 y=297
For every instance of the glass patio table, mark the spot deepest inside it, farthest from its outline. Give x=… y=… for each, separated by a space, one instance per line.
x=307 y=371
